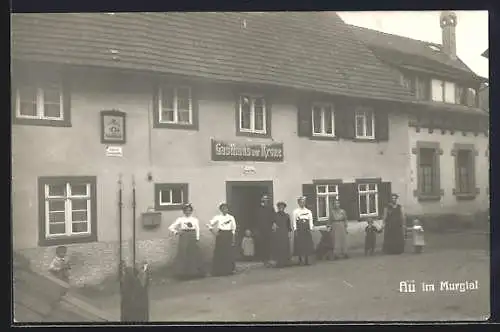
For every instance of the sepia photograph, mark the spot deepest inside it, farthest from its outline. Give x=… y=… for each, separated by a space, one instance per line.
x=250 y=167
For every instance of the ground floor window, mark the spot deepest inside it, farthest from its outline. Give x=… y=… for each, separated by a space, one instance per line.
x=68 y=210
x=368 y=199
x=465 y=177
x=170 y=196
x=326 y=194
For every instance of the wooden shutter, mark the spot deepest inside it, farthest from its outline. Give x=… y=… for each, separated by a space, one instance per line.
x=156 y=101
x=454 y=153
x=237 y=100
x=381 y=125
x=304 y=118
x=268 y=104
x=349 y=200
x=472 y=169
x=384 y=197
x=66 y=95
x=309 y=190
x=348 y=123
x=195 y=107
x=437 y=172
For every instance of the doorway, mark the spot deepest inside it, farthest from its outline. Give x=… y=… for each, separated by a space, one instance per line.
x=243 y=198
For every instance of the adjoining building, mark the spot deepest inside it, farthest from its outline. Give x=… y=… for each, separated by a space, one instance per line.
x=211 y=107
x=484 y=92
x=448 y=135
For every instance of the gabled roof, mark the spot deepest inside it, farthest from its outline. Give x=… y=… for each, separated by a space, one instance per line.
x=413 y=54
x=313 y=51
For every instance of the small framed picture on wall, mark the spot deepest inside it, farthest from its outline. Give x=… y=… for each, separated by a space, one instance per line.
x=113 y=127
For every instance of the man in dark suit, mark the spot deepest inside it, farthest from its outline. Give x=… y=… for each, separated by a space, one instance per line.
x=265 y=220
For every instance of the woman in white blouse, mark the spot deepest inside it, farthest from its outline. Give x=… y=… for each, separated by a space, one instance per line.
x=223 y=226
x=188 y=262
x=302 y=225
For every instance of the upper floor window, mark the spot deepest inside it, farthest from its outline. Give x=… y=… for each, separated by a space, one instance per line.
x=323 y=120
x=252 y=114
x=368 y=199
x=443 y=91
x=325 y=196
x=175 y=105
x=40 y=104
x=365 y=124
x=68 y=208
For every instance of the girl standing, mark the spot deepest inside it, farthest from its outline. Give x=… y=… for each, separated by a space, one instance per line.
x=281 y=231
x=224 y=228
x=302 y=224
x=338 y=220
x=418 y=236
x=188 y=262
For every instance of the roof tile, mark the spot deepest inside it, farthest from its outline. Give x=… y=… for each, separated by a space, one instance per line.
x=313 y=51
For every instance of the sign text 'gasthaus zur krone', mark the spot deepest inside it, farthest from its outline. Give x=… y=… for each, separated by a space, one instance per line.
x=232 y=151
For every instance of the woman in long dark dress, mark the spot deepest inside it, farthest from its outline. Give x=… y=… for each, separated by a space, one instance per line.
x=188 y=262
x=281 y=236
x=394 y=228
x=302 y=225
x=224 y=228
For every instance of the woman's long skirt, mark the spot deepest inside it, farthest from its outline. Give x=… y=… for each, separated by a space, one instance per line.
x=303 y=242
x=394 y=241
x=224 y=254
x=281 y=247
x=189 y=261
x=340 y=238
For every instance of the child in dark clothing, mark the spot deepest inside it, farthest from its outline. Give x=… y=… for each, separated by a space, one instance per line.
x=371 y=237
x=59 y=267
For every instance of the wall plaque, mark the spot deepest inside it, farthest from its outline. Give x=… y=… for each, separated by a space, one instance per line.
x=232 y=151
x=113 y=127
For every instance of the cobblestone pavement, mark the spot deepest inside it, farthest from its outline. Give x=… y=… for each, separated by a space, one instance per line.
x=358 y=289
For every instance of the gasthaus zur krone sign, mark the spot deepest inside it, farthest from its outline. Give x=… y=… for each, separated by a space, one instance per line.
x=232 y=151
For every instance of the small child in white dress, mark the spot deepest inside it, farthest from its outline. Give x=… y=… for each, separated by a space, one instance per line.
x=247 y=246
x=418 y=236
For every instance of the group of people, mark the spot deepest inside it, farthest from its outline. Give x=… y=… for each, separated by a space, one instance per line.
x=273 y=232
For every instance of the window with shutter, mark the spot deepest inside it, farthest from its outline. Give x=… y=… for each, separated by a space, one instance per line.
x=423 y=88
x=326 y=194
x=323 y=120
x=365 y=123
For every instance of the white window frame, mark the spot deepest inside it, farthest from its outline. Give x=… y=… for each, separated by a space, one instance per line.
x=40 y=105
x=323 y=107
x=367 y=193
x=174 y=105
x=68 y=216
x=442 y=98
x=170 y=203
x=327 y=194
x=363 y=113
x=252 y=129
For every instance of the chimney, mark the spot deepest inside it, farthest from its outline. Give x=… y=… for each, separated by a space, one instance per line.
x=448 y=22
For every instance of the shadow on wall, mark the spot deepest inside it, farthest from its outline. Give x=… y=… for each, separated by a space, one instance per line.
x=449 y=222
